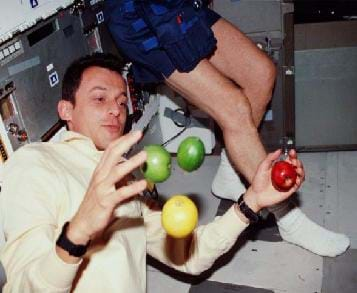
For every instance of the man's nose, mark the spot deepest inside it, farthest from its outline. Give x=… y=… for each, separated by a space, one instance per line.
x=114 y=108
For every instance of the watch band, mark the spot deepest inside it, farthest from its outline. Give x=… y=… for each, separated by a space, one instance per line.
x=247 y=211
x=66 y=244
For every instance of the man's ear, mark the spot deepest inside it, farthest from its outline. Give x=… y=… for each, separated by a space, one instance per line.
x=65 y=109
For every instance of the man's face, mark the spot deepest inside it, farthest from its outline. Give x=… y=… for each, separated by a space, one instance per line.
x=100 y=109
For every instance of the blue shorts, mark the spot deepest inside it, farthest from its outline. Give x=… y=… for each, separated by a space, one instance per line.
x=161 y=36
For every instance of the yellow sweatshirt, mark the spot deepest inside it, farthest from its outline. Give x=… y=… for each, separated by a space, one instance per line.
x=44 y=184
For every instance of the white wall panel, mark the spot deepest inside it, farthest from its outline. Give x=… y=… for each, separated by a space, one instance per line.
x=19 y=15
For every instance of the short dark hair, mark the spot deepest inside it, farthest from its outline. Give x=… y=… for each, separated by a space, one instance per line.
x=73 y=75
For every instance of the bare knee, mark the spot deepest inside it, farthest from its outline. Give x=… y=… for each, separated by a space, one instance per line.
x=259 y=89
x=266 y=76
x=237 y=116
x=270 y=73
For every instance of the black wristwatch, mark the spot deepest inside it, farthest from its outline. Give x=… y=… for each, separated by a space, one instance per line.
x=247 y=211
x=66 y=244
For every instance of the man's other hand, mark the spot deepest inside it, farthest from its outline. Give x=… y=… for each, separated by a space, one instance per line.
x=262 y=193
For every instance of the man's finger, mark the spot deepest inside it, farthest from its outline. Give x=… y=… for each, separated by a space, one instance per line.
x=119 y=171
x=299 y=164
x=116 y=150
x=292 y=153
x=127 y=191
x=268 y=161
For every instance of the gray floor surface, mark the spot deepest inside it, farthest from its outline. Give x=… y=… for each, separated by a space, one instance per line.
x=260 y=261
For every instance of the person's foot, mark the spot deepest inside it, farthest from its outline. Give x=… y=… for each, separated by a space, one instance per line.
x=295 y=227
x=226 y=183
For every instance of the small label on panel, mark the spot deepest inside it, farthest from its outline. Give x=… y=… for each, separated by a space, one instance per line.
x=34 y=3
x=53 y=78
x=22 y=66
x=100 y=17
x=269 y=115
x=49 y=67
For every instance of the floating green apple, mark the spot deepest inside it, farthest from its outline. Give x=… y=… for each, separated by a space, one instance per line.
x=191 y=153
x=157 y=167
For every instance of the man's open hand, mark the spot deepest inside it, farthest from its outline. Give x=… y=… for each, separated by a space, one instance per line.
x=102 y=196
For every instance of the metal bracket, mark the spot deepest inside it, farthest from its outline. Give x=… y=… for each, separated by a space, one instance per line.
x=289 y=70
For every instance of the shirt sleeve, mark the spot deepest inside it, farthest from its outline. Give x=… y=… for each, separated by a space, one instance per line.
x=29 y=212
x=197 y=254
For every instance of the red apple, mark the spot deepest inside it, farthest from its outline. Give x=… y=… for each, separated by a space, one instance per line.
x=283 y=175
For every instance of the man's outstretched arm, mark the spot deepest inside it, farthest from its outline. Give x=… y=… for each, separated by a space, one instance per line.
x=210 y=241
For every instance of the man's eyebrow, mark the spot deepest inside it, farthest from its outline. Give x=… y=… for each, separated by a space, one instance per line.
x=101 y=88
x=98 y=88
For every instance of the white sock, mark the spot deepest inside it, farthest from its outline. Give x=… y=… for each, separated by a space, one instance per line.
x=295 y=227
x=226 y=183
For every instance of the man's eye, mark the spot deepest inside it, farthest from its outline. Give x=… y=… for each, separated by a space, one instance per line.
x=123 y=105
x=100 y=99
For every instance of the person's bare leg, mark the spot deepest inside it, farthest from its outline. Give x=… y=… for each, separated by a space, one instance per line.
x=218 y=96
x=240 y=60
x=234 y=51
